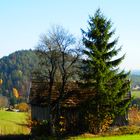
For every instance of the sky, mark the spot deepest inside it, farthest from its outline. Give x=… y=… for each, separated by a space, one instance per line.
x=23 y=21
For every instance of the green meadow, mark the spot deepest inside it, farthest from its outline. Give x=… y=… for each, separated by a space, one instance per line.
x=123 y=137
x=136 y=93
x=13 y=123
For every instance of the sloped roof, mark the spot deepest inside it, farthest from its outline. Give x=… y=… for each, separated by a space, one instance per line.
x=73 y=97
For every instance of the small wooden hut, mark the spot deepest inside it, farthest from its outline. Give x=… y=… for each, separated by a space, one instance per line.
x=70 y=105
x=71 y=112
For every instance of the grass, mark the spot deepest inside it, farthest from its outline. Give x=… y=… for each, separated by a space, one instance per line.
x=136 y=93
x=123 y=137
x=13 y=123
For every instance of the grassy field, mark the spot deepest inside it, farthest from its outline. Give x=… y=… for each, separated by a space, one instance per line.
x=136 y=93
x=124 y=137
x=13 y=123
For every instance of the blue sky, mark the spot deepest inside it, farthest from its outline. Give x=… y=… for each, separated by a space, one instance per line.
x=23 y=21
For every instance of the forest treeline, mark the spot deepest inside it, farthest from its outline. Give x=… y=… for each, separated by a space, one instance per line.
x=15 y=75
x=15 y=72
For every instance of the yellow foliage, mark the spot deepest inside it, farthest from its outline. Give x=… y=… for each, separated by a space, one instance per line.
x=62 y=125
x=15 y=92
x=96 y=125
x=1 y=81
x=134 y=116
x=106 y=123
x=23 y=107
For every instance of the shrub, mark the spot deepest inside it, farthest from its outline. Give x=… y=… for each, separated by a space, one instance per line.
x=23 y=107
x=129 y=129
x=94 y=122
x=3 y=101
x=106 y=123
x=123 y=130
x=40 y=128
x=134 y=116
x=29 y=120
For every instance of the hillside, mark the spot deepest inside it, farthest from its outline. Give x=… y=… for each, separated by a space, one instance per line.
x=15 y=72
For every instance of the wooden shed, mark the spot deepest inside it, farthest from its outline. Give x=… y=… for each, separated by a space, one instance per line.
x=70 y=105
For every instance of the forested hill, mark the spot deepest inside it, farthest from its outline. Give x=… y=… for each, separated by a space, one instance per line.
x=15 y=73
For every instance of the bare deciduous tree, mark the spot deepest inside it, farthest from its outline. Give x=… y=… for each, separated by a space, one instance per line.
x=58 y=54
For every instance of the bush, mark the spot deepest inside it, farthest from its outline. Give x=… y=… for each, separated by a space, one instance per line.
x=134 y=116
x=123 y=130
x=4 y=102
x=29 y=120
x=22 y=107
x=40 y=128
x=98 y=126
x=129 y=129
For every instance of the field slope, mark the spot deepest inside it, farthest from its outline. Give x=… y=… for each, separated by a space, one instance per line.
x=13 y=123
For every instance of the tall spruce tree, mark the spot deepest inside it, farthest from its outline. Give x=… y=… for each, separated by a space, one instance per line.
x=101 y=72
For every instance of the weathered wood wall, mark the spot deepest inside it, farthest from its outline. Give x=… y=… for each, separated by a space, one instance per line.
x=39 y=113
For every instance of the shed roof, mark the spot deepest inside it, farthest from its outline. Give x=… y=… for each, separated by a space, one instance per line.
x=73 y=94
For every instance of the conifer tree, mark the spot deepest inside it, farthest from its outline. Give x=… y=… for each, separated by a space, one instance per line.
x=101 y=72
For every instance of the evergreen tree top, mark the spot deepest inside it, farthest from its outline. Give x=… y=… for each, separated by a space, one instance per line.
x=98 y=39
x=101 y=70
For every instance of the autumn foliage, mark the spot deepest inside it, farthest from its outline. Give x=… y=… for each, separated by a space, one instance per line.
x=134 y=116
x=15 y=92
x=23 y=107
x=1 y=81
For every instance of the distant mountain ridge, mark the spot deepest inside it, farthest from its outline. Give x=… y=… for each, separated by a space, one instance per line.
x=135 y=72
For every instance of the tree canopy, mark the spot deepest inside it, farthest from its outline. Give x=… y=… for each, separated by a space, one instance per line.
x=58 y=60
